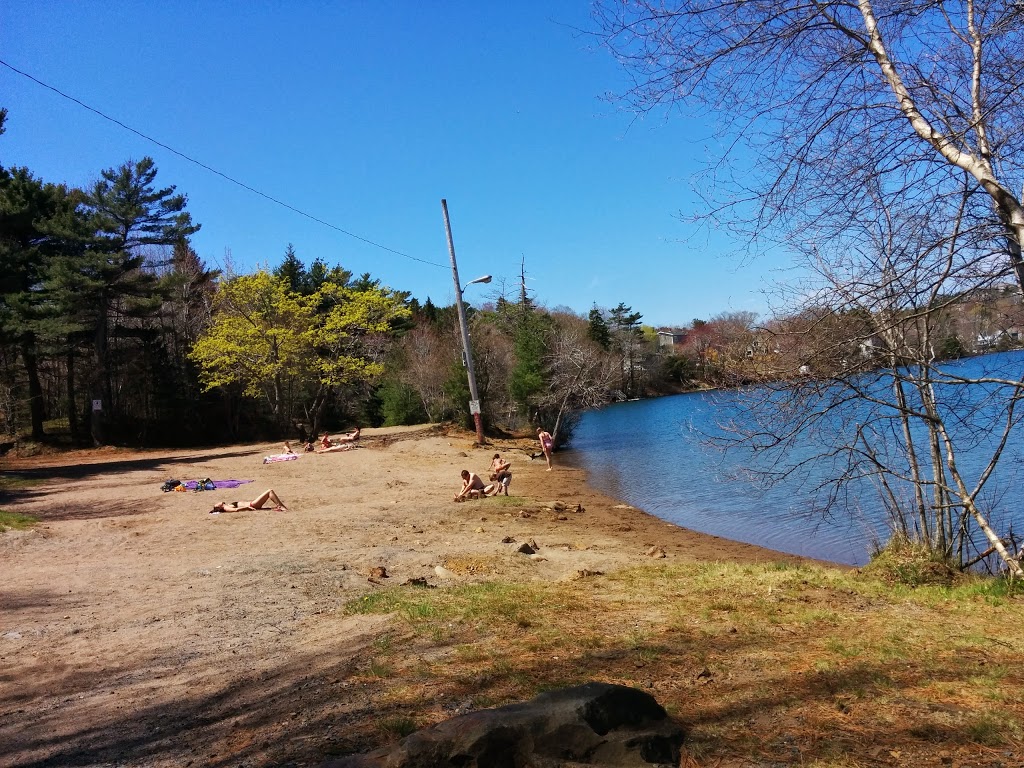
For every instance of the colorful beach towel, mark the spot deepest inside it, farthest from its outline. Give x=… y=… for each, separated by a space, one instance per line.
x=193 y=484
x=280 y=457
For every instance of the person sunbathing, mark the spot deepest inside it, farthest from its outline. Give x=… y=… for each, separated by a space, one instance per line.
x=350 y=437
x=344 y=443
x=257 y=503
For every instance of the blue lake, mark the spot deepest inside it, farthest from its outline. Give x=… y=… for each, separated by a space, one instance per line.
x=653 y=454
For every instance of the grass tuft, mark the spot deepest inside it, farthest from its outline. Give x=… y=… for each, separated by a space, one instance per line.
x=15 y=521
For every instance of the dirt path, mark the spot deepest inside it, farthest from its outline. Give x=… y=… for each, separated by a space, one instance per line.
x=138 y=629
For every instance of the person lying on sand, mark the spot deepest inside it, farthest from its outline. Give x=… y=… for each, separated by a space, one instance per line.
x=350 y=437
x=257 y=503
x=344 y=443
x=473 y=487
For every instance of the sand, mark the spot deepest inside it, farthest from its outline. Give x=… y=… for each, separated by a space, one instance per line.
x=136 y=628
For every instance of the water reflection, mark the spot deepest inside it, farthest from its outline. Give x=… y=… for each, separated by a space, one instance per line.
x=652 y=454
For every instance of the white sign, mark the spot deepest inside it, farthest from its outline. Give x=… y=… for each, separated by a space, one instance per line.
x=474 y=407
x=97 y=405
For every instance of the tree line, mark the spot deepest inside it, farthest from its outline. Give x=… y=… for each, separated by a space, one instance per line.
x=114 y=330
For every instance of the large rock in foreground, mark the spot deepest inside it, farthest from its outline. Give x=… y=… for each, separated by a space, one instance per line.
x=593 y=724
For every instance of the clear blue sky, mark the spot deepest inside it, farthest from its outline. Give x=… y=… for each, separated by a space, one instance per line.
x=366 y=115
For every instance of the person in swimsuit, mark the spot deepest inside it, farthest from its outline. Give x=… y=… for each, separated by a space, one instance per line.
x=498 y=464
x=503 y=479
x=257 y=503
x=473 y=487
x=344 y=443
x=351 y=437
x=546 y=444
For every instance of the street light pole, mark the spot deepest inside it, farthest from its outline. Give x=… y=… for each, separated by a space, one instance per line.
x=474 y=402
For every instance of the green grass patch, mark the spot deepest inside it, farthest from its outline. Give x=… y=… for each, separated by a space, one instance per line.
x=491 y=603
x=15 y=482
x=397 y=726
x=15 y=521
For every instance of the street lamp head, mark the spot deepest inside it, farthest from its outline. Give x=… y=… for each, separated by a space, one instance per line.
x=484 y=279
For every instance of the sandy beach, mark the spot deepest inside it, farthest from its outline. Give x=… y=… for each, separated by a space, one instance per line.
x=136 y=628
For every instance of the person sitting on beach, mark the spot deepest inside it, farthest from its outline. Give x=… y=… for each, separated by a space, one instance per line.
x=308 y=446
x=498 y=464
x=287 y=448
x=473 y=487
x=257 y=503
x=343 y=443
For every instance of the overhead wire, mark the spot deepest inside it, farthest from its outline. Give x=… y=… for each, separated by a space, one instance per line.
x=204 y=166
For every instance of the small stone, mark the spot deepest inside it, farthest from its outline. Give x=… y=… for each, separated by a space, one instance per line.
x=380 y=572
x=538 y=558
x=479 y=529
x=526 y=549
x=443 y=572
x=508 y=540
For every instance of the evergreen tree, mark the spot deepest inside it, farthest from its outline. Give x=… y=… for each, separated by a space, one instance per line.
x=292 y=271
x=28 y=212
x=598 y=331
x=131 y=218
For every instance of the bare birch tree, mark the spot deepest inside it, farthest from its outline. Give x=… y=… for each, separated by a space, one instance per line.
x=880 y=140
x=879 y=403
x=909 y=94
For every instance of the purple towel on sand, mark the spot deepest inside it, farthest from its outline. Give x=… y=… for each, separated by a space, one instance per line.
x=193 y=484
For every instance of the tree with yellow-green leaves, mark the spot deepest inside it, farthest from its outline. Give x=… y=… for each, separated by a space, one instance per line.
x=295 y=351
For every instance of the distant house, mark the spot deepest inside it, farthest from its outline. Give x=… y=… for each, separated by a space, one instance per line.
x=988 y=341
x=670 y=338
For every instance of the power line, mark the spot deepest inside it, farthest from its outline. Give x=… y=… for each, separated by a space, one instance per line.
x=219 y=173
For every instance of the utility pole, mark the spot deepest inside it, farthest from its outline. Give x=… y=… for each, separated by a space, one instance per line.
x=474 y=402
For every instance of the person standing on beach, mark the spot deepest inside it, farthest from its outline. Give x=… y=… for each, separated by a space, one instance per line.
x=546 y=444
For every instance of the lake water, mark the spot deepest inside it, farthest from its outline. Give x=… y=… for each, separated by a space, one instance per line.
x=653 y=455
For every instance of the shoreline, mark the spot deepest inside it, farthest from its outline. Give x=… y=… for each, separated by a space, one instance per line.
x=692 y=541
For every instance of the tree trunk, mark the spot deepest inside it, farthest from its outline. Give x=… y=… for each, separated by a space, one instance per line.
x=35 y=390
x=76 y=435
x=97 y=417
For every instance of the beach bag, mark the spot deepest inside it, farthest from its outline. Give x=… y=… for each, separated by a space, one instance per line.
x=205 y=485
x=170 y=485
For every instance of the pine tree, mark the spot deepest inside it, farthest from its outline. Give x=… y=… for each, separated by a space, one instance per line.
x=598 y=331
x=131 y=218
